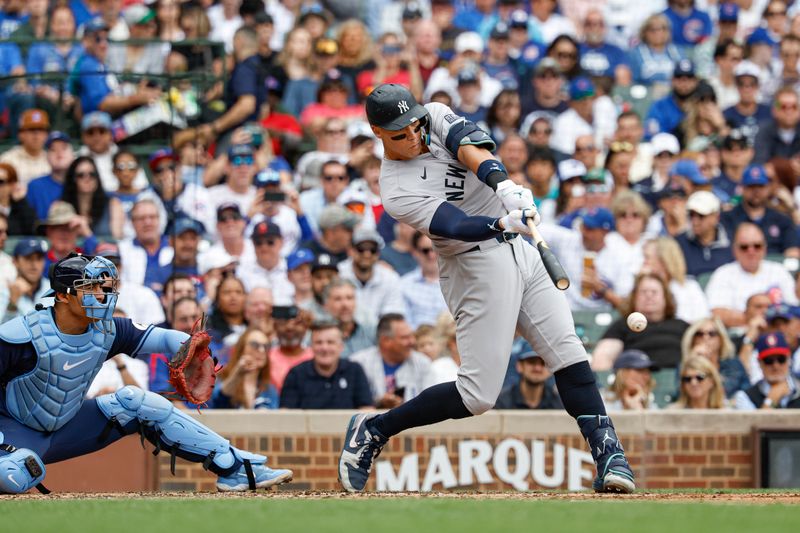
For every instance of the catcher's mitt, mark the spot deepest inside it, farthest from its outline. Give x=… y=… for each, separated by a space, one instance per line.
x=193 y=371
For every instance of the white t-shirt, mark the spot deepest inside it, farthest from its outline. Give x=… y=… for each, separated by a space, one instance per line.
x=216 y=256
x=730 y=286
x=567 y=127
x=222 y=29
x=626 y=262
x=222 y=194
x=690 y=300
x=254 y=275
x=110 y=378
x=140 y=304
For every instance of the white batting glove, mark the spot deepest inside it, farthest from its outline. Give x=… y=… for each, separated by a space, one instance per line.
x=514 y=196
x=517 y=220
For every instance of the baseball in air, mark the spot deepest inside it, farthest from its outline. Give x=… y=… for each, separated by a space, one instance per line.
x=637 y=322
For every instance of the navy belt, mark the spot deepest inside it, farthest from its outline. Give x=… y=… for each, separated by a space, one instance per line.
x=501 y=238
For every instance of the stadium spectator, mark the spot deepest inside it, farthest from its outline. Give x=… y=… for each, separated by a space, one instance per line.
x=184 y=239
x=731 y=284
x=707 y=338
x=138 y=56
x=336 y=225
x=141 y=303
x=665 y=149
x=145 y=255
x=176 y=287
x=393 y=64
x=398 y=253
x=671 y=218
x=226 y=320
x=632 y=389
x=231 y=246
x=225 y=21
x=666 y=114
x=244 y=382
x=748 y=113
x=727 y=56
x=469 y=93
x=298 y=271
x=334 y=179
x=444 y=366
x=378 y=290
x=332 y=101
x=542 y=179
x=279 y=207
x=267 y=268
x=736 y=154
x=599 y=58
x=631 y=213
x=706 y=245
x=30 y=284
x=546 y=100
x=339 y=296
x=578 y=119
x=84 y=192
x=654 y=61
x=661 y=341
x=778 y=389
x=13 y=205
x=62 y=228
x=178 y=198
x=779 y=230
x=395 y=371
x=168 y=26
x=700 y=385
x=291 y=326
x=29 y=157
x=327 y=381
x=690 y=26
x=420 y=288
x=504 y=115
x=239 y=187
x=258 y=306
x=355 y=48
x=428 y=342
x=779 y=136
x=125 y=169
x=535 y=389
x=619 y=161
x=44 y=190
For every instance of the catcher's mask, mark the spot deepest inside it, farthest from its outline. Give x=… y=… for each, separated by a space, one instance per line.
x=96 y=277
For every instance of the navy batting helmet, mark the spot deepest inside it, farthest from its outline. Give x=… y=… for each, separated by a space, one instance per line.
x=393 y=107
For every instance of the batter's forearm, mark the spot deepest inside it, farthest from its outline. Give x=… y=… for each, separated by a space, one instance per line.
x=481 y=161
x=452 y=223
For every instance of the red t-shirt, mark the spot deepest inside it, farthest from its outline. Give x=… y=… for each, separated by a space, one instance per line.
x=365 y=83
x=280 y=364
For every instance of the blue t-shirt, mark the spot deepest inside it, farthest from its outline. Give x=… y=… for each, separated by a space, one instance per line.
x=42 y=192
x=601 y=60
x=649 y=67
x=46 y=58
x=531 y=53
x=9 y=23
x=507 y=74
x=664 y=116
x=747 y=124
x=91 y=82
x=690 y=30
x=81 y=12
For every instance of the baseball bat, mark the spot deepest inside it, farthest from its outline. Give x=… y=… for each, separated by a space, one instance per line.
x=551 y=264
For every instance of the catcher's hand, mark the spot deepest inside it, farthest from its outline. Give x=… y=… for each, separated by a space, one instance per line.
x=193 y=371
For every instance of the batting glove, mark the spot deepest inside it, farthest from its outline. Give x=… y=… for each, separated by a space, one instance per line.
x=514 y=196
x=517 y=220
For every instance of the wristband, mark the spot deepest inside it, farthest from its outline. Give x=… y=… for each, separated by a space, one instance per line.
x=494 y=226
x=492 y=172
x=747 y=341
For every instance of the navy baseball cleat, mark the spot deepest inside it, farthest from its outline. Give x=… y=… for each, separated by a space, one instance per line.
x=260 y=476
x=614 y=474
x=361 y=447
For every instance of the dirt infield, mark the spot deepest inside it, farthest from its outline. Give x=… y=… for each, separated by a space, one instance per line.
x=762 y=498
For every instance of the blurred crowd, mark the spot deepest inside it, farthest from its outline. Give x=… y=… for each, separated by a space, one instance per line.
x=661 y=142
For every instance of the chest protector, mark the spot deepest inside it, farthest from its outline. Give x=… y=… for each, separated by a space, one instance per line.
x=49 y=396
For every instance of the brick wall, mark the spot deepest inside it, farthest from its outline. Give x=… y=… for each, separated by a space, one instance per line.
x=669 y=449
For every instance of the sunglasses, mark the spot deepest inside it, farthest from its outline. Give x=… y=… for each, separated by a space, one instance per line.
x=90 y=174
x=126 y=166
x=747 y=246
x=773 y=359
x=3 y=182
x=425 y=251
x=367 y=249
x=331 y=177
x=710 y=333
x=787 y=107
x=698 y=377
x=240 y=160
x=403 y=135
x=164 y=168
x=629 y=214
x=229 y=217
x=260 y=346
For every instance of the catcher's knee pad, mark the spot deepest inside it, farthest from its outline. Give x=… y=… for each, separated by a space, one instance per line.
x=20 y=471
x=173 y=426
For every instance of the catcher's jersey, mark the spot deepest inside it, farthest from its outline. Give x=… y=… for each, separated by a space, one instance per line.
x=413 y=190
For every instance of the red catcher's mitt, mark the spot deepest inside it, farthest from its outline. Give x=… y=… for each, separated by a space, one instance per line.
x=193 y=371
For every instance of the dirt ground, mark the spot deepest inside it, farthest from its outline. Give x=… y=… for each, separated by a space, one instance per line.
x=718 y=497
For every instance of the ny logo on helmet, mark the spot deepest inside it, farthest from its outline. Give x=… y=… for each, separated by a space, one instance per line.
x=403 y=106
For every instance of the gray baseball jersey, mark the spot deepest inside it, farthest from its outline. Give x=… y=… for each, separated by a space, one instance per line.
x=492 y=288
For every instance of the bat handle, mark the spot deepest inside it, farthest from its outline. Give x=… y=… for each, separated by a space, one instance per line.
x=551 y=263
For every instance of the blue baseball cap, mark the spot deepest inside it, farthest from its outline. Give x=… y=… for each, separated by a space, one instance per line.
x=518 y=19
x=580 y=88
x=688 y=169
x=94 y=25
x=778 y=311
x=27 y=247
x=728 y=12
x=760 y=36
x=597 y=218
x=684 y=67
x=96 y=119
x=267 y=177
x=755 y=175
x=300 y=257
x=240 y=150
x=468 y=75
x=500 y=31
x=184 y=224
x=56 y=136
x=529 y=355
x=634 y=359
x=772 y=344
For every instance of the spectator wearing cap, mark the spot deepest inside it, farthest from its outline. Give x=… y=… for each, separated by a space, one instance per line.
x=141 y=303
x=498 y=63
x=239 y=187
x=298 y=271
x=654 y=59
x=148 y=251
x=671 y=217
x=748 y=113
x=735 y=156
x=727 y=56
x=690 y=26
x=393 y=64
x=780 y=135
x=686 y=173
x=780 y=318
x=600 y=58
x=184 y=234
x=469 y=95
x=13 y=205
x=268 y=269
x=632 y=389
x=778 y=389
x=291 y=329
x=89 y=80
x=326 y=381
x=245 y=91
x=62 y=229
x=29 y=157
x=231 y=247
x=662 y=338
x=30 y=283
x=666 y=114
x=334 y=179
x=315 y=19
x=706 y=244
x=420 y=288
x=377 y=286
x=137 y=57
x=323 y=271
x=468 y=48
x=535 y=389
x=571 y=191
x=586 y=259
x=732 y=284
x=546 y=86
x=281 y=208
x=578 y=119
x=665 y=149
x=43 y=191
x=177 y=197
x=779 y=229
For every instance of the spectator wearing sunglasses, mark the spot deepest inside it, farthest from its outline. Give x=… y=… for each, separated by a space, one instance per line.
x=700 y=385
x=708 y=339
x=84 y=192
x=779 y=230
x=334 y=179
x=778 y=389
x=267 y=268
x=239 y=187
x=730 y=285
x=706 y=244
x=779 y=136
x=98 y=143
x=245 y=381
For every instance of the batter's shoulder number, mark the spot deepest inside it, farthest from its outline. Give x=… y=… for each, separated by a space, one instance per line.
x=450 y=118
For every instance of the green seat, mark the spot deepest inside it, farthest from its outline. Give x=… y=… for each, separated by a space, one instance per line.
x=591 y=325
x=666 y=390
x=703 y=278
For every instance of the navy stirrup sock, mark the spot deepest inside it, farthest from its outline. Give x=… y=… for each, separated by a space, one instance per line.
x=434 y=404
x=578 y=390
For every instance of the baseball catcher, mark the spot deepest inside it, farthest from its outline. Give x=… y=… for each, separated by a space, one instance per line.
x=440 y=177
x=48 y=359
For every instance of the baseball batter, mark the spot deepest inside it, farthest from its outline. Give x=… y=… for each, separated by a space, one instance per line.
x=48 y=359
x=439 y=176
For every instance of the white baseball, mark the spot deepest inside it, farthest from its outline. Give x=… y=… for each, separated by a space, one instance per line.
x=637 y=322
